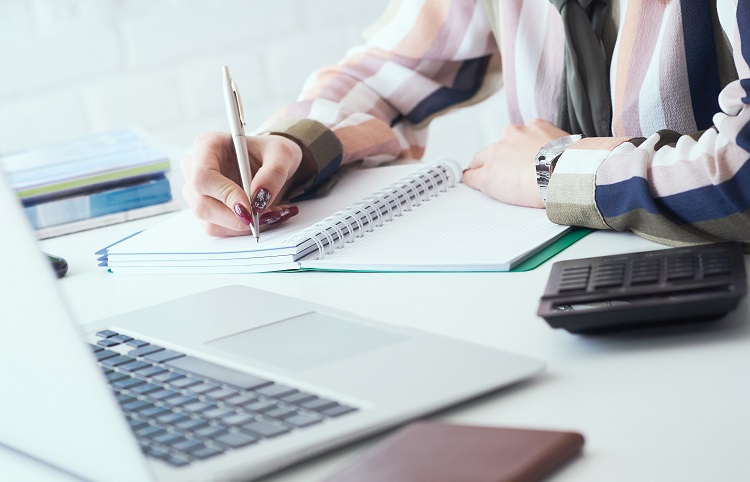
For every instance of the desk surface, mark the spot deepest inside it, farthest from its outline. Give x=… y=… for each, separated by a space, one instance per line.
x=671 y=405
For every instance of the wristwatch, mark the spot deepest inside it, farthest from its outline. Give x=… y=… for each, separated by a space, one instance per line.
x=547 y=158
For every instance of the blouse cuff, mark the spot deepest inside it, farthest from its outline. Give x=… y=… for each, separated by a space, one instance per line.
x=319 y=144
x=571 y=192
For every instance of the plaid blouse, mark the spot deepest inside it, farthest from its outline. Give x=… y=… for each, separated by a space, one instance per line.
x=673 y=170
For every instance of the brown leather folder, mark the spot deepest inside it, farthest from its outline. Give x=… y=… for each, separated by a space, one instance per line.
x=442 y=452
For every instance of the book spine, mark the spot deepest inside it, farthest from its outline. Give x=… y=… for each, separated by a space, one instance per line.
x=374 y=211
x=100 y=203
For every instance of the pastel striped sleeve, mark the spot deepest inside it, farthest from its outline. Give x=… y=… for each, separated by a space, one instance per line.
x=671 y=188
x=571 y=194
x=422 y=59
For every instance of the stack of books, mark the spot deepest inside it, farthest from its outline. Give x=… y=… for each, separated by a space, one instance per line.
x=90 y=182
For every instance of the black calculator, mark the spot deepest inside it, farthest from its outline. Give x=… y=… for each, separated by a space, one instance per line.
x=650 y=288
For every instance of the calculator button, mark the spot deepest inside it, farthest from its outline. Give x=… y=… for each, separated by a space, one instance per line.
x=572 y=286
x=680 y=267
x=609 y=275
x=574 y=278
x=686 y=273
x=607 y=282
x=715 y=264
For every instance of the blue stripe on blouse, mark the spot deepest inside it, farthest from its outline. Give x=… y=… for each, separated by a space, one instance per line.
x=466 y=84
x=700 y=204
x=702 y=63
x=743 y=24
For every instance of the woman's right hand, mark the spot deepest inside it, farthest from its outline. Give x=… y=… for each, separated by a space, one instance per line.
x=213 y=187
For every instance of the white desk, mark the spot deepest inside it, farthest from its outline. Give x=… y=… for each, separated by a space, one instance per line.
x=658 y=407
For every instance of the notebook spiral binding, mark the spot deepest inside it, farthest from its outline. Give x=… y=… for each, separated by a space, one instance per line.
x=380 y=207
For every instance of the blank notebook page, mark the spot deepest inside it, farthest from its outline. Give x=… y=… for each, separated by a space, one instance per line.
x=460 y=229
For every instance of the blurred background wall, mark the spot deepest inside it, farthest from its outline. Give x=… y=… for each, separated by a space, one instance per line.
x=73 y=67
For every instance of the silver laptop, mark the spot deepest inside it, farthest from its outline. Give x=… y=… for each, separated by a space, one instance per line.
x=200 y=388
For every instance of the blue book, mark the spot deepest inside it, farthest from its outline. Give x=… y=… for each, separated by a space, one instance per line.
x=100 y=203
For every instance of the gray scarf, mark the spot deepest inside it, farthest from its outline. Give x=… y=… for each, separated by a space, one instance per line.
x=584 y=106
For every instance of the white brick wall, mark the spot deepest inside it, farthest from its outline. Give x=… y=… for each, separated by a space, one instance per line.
x=72 y=67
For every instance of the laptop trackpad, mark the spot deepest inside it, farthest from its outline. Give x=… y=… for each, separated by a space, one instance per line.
x=306 y=341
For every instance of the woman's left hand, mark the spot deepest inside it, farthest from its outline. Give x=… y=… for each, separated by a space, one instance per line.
x=506 y=169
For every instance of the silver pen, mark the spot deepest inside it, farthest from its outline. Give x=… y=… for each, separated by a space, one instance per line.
x=237 y=128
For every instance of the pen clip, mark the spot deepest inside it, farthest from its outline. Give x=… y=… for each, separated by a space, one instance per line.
x=238 y=102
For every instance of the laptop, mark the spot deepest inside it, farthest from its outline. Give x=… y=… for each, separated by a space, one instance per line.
x=204 y=388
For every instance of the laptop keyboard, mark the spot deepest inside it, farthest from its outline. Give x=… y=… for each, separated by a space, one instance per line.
x=184 y=409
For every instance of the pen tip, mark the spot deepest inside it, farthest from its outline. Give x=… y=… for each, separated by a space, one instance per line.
x=225 y=69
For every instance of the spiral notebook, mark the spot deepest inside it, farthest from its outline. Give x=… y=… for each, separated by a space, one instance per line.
x=401 y=218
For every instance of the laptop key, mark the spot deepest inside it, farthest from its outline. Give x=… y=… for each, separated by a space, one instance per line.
x=106 y=342
x=162 y=395
x=168 y=377
x=260 y=407
x=136 y=424
x=163 y=356
x=172 y=418
x=337 y=410
x=184 y=382
x=241 y=400
x=206 y=452
x=198 y=407
x=237 y=419
x=218 y=413
x=177 y=460
x=106 y=333
x=181 y=400
x=134 y=366
x=115 y=376
x=298 y=397
x=151 y=371
x=235 y=439
x=276 y=390
x=219 y=373
x=145 y=350
x=301 y=420
x=145 y=388
x=187 y=445
x=136 y=405
x=105 y=354
x=150 y=431
x=153 y=412
x=203 y=388
x=128 y=383
x=280 y=413
x=137 y=343
x=157 y=453
x=317 y=404
x=222 y=394
x=192 y=424
x=211 y=431
x=121 y=338
x=265 y=429
x=168 y=438
x=117 y=361
x=122 y=399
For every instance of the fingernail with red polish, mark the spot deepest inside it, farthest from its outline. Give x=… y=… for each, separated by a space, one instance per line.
x=260 y=199
x=243 y=214
x=273 y=217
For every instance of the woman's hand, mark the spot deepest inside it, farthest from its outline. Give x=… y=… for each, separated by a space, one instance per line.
x=213 y=187
x=506 y=169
